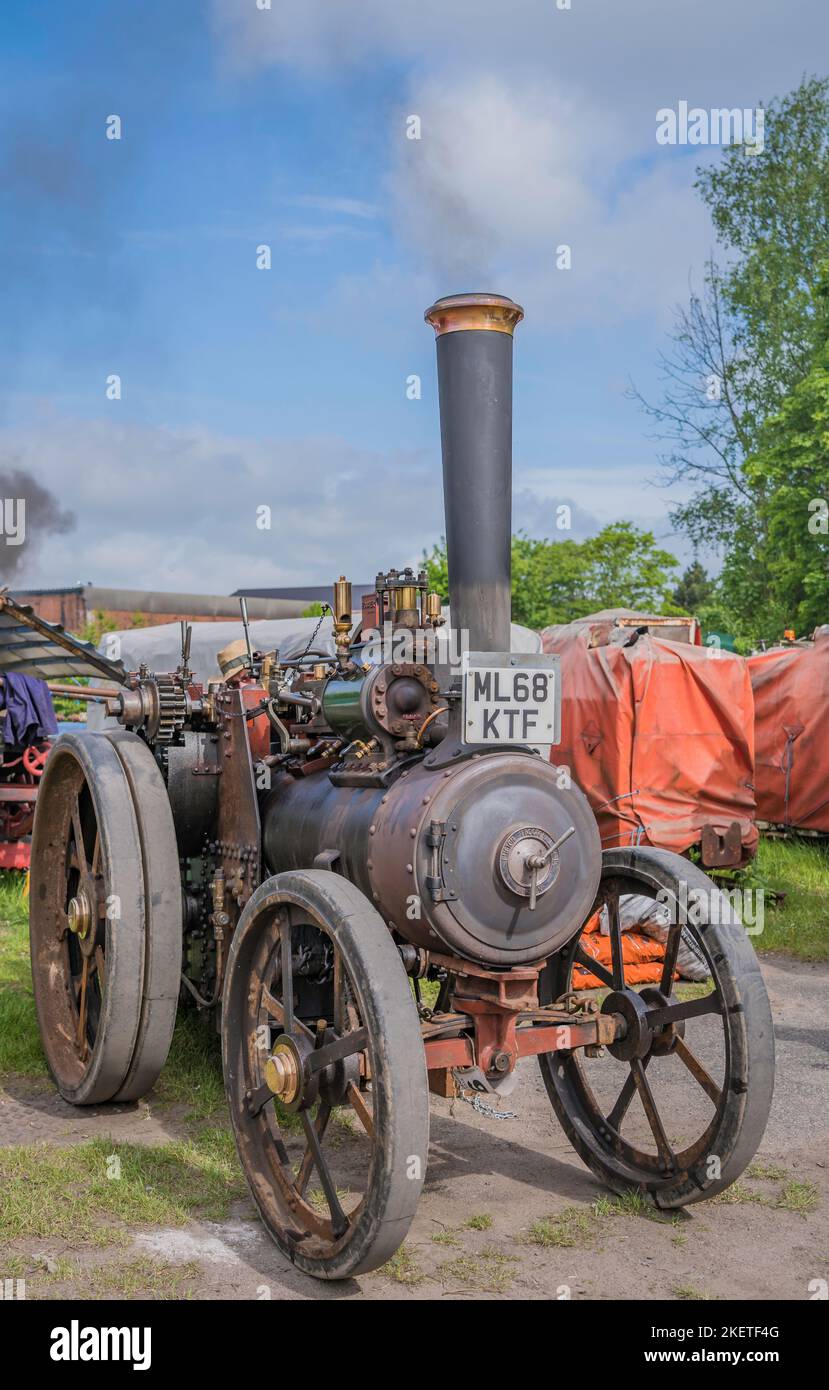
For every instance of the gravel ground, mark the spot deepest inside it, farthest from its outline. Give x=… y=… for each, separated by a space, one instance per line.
x=502 y=1177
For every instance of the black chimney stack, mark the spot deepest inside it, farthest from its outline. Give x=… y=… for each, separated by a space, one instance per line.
x=474 y=348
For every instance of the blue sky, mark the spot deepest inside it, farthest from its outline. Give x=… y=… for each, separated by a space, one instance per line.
x=287 y=387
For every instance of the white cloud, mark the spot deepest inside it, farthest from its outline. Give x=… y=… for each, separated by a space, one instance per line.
x=347 y=207
x=708 y=52
x=538 y=129
x=177 y=509
x=497 y=171
x=506 y=173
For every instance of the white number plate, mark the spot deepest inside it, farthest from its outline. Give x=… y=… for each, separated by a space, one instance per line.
x=510 y=698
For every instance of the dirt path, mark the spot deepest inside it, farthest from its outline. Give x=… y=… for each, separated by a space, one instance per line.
x=489 y=1181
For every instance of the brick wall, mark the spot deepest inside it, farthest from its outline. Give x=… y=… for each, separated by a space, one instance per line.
x=70 y=610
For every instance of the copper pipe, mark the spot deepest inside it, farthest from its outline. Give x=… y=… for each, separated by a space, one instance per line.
x=427 y=721
x=81 y=692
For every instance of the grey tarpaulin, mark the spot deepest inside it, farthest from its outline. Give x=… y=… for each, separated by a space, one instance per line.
x=159 y=648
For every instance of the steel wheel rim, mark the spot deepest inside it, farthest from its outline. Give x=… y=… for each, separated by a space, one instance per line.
x=162 y=913
x=746 y=1095
x=87 y=982
x=593 y=1112
x=314 y=1233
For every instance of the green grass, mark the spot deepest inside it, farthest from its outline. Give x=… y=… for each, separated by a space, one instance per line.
x=634 y=1203
x=575 y=1226
x=799 y=1197
x=767 y=1172
x=738 y=1193
x=799 y=925
x=403 y=1268
x=66 y=1193
x=20 y=1050
x=488 y=1272
x=139 y=1279
x=570 y=1227
x=192 y=1074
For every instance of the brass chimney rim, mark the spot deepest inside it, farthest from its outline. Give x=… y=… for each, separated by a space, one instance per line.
x=458 y=313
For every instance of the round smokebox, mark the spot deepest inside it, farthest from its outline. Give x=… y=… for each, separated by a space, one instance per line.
x=492 y=882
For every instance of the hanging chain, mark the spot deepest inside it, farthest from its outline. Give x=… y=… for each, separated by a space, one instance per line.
x=326 y=609
x=488 y=1111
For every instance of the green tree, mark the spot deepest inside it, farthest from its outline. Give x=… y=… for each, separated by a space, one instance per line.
x=437 y=569
x=694 y=590
x=556 y=581
x=626 y=569
x=749 y=336
x=95 y=627
x=771 y=212
x=547 y=578
x=776 y=574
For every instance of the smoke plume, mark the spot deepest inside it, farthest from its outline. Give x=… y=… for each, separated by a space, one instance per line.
x=29 y=513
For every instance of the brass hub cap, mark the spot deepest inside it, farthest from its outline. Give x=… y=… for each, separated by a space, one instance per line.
x=283 y=1073
x=79 y=914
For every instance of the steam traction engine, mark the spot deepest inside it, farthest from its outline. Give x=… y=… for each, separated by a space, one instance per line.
x=362 y=864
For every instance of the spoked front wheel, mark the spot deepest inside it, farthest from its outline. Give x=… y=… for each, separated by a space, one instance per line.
x=325 y=1073
x=676 y=1107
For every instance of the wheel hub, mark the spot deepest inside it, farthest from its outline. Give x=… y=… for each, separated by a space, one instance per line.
x=79 y=914
x=665 y=1039
x=286 y=1076
x=637 y=1038
x=282 y=1073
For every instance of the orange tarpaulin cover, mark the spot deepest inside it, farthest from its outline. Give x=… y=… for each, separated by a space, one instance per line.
x=791 y=688
x=642 y=955
x=659 y=735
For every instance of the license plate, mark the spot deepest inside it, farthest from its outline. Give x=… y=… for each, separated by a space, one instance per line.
x=510 y=698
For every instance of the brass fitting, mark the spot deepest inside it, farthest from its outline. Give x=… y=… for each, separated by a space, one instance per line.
x=219 y=917
x=433 y=609
x=342 y=612
x=282 y=1073
x=459 y=313
x=79 y=914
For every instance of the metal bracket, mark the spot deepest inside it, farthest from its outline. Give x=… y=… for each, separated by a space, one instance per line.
x=326 y=859
x=721 y=849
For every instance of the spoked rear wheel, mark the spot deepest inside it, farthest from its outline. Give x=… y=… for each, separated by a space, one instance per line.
x=86 y=908
x=677 y=1107
x=105 y=917
x=325 y=1074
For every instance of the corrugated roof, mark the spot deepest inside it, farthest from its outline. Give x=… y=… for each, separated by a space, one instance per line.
x=158 y=601
x=34 y=647
x=305 y=593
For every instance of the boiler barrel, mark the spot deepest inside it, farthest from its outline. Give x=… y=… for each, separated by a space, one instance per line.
x=443 y=854
x=305 y=817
